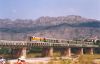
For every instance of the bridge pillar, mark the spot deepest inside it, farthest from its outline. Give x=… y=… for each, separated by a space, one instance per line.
x=23 y=51
x=50 y=52
x=80 y=51
x=67 y=52
x=47 y=52
x=90 y=50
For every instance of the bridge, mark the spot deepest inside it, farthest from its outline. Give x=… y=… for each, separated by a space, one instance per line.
x=20 y=47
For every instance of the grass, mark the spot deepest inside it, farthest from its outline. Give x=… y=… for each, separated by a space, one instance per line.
x=87 y=59
x=84 y=59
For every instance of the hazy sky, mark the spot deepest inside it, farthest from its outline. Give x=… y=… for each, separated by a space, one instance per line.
x=32 y=9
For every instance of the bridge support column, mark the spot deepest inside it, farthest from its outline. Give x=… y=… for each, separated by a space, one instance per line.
x=90 y=50
x=48 y=52
x=23 y=52
x=67 y=52
x=80 y=51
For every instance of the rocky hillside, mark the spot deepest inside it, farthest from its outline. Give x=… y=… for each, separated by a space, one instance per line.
x=63 y=27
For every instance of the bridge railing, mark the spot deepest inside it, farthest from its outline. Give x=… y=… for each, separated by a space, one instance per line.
x=44 y=44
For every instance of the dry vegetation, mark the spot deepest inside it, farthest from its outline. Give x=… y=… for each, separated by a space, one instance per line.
x=87 y=59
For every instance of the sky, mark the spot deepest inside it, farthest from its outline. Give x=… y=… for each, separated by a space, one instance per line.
x=33 y=9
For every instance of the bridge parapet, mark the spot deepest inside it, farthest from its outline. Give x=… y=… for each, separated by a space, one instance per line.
x=44 y=44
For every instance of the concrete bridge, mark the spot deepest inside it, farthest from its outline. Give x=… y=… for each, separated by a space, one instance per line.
x=20 y=47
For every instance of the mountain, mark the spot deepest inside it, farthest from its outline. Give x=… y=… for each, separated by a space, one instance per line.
x=62 y=27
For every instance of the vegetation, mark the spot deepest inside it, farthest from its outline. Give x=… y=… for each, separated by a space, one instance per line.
x=98 y=42
x=84 y=59
x=87 y=59
x=4 y=51
x=60 y=61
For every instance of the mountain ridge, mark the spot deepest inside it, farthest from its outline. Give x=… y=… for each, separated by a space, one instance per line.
x=64 y=27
